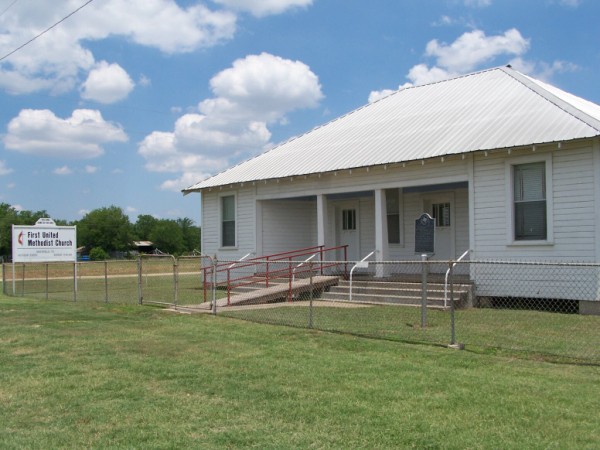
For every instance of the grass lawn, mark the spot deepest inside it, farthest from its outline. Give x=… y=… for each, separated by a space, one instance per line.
x=529 y=334
x=78 y=375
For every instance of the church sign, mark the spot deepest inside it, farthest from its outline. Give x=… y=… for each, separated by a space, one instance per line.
x=44 y=242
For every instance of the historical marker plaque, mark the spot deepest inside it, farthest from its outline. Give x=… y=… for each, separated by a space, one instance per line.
x=424 y=234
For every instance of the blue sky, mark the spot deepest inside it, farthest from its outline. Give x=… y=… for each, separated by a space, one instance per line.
x=127 y=102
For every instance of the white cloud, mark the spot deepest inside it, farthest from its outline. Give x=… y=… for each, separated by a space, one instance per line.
x=55 y=62
x=264 y=7
x=131 y=210
x=58 y=61
x=378 y=95
x=144 y=81
x=255 y=92
x=83 y=212
x=90 y=169
x=542 y=70
x=478 y=3
x=4 y=170
x=64 y=170
x=570 y=3
x=17 y=207
x=475 y=48
x=468 y=52
x=107 y=83
x=40 y=132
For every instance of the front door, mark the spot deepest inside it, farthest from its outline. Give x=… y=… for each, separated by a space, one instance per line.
x=441 y=208
x=347 y=230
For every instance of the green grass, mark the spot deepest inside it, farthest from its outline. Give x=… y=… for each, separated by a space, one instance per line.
x=524 y=333
x=97 y=375
x=118 y=288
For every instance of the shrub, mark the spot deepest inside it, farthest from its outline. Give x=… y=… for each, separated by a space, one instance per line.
x=98 y=254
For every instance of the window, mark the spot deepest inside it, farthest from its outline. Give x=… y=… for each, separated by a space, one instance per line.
x=392 y=206
x=228 y=221
x=441 y=213
x=348 y=219
x=529 y=189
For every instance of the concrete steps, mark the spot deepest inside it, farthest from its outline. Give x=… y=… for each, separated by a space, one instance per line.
x=367 y=290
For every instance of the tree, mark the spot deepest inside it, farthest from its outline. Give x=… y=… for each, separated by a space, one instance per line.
x=108 y=228
x=168 y=237
x=10 y=216
x=191 y=234
x=144 y=226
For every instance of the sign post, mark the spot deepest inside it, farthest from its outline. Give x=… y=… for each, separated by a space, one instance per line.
x=424 y=245
x=43 y=242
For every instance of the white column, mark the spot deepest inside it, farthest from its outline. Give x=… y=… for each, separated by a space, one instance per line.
x=258 y=245
x=321 y=220
x=381 y=234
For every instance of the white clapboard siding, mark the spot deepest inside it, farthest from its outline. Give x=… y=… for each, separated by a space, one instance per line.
x=288 y=225
x=245 y=223
x=573 y=208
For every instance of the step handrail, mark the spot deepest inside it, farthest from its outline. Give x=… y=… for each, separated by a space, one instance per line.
x=240 y=260
x=300 y=265
x=360 y=264
x=448 y=272
x=293 y=277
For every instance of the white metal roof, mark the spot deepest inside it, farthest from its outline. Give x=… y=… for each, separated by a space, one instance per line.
x=492 y=109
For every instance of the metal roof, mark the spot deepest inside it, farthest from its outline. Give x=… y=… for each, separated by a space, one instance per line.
x=493 y=109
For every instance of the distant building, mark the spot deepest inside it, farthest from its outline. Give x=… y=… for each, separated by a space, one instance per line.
x=143 y=247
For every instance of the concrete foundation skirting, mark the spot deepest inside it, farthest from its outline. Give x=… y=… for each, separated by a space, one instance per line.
x=589 y=307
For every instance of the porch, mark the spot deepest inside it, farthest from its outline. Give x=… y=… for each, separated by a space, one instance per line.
x=363 y=221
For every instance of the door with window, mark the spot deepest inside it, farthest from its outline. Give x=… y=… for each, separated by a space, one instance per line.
x=347 y=230
x=441 y=208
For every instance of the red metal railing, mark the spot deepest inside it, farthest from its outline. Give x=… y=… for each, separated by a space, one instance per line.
x=275 y=267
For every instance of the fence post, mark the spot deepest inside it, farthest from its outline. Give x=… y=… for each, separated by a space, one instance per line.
x=453 y=343
x=140 y=294
x=47 y=287
x=290 y=279
x=214 y=285
x=425 y=269
x=203 y=281
x=310 y=308
x=176 y=277
x=267 y=274
x=23 y=280
x=105 y=281
x=74 y=281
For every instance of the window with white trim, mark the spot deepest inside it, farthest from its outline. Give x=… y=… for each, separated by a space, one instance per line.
x=228 y=221
x=441 y=214
x=349 y=219
x=529 y=202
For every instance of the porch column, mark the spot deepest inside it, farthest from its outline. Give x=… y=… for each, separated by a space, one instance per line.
x=321 y=220
x=381 y=233
x=258 y=244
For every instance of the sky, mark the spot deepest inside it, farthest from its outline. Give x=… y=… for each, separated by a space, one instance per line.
x=126 y=102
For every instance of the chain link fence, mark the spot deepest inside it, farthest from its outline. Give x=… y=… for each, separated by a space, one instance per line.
x=546 y=311
x=533 y=310
x=150 y=279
